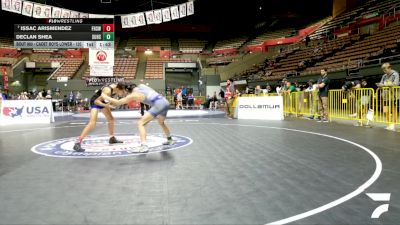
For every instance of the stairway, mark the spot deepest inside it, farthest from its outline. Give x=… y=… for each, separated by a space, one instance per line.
x=82 y=69
x=141 y=68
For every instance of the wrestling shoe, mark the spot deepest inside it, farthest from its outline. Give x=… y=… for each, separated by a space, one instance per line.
x=169 y=142
x=143 y=149
x=113 y=140
x=78 y=147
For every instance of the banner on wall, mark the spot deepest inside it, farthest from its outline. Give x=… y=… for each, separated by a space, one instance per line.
x=65 y=13
x=140 y=19
x=74 y=15
x=182 y=10
x=41 y=11
x=101 y=16
x=102 y=81
x=27 y=8
x=100 y=57
x=83 y=15
x=174 y=12
x=26 y=111
x=16 y=6
x=166 y=13
x=158 y=16
x=149 y=17
x=190 y=8
x=101 y=71
x=260 y=108
x=56 y=12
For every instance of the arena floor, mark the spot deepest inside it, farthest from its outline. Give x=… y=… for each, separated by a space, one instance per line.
x=220 y=172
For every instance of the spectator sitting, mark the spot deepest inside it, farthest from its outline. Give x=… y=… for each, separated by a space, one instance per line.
x=213 y=104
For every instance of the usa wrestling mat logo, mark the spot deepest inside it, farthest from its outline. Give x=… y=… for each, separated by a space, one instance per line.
x=97 y=146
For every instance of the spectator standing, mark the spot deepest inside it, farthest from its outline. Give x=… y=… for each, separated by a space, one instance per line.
x=362 y=100
x=39 y=96
x=71 y=100
x=290 y=87
x=222 y=94
x=323 y=89
x=190 y=101
x=78 y=98
x=389 y=80
x=229 y=97
x=311 y=92
x=179 y=100
x=184 y=91
x=2 y=97
x=257 y=91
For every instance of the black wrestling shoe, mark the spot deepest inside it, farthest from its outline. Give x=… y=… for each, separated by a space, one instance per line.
x=113 y=140
x=78 y=148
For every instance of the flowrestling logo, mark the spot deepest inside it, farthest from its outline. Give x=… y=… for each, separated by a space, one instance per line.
x=98 y=147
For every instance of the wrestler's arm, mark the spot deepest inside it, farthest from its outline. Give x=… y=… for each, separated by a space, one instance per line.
x=105 y=92
x=131 y=97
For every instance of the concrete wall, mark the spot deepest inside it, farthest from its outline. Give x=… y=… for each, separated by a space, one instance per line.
x=340 y=6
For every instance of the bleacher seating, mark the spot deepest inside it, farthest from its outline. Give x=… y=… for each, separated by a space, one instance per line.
x=9 y=53
x=69 y=66
x=314 y=52
x=155 y=67
x=340 y=21
x=271 y=35
x=350 y=57
x=149 y=42
x=381 y=7
x=344 y=52
x=123 y=67
x=6 y=42
x=191 y=45
x=223 y=60
x=230 y=43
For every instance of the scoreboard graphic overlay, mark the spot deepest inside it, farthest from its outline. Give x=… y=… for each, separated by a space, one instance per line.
x=66 y=33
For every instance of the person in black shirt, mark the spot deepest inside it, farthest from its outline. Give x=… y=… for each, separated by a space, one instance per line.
x=97 y=103
x=323 y=87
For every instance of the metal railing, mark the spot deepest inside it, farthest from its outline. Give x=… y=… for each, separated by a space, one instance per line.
x=364 y=105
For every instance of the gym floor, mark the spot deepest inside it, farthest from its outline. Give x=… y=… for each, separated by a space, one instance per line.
x=232 y=172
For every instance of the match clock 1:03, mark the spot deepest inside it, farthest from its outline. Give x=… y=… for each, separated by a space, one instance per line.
x=108 y=32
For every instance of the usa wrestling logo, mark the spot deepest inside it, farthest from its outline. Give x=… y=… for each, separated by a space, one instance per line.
x=97 y=146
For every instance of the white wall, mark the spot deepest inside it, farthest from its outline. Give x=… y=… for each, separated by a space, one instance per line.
x=211 y=89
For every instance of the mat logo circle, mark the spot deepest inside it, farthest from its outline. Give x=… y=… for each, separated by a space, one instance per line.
x=97 y=146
